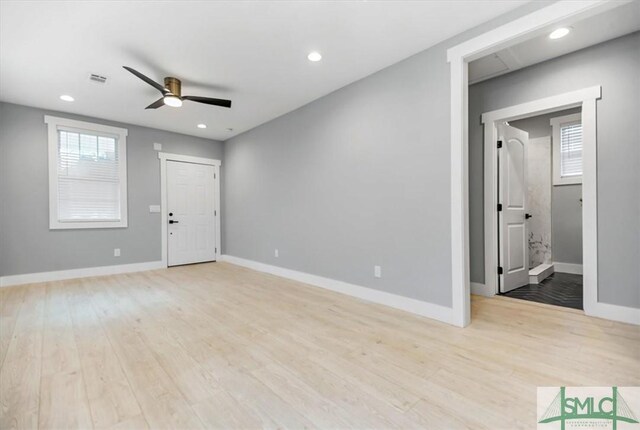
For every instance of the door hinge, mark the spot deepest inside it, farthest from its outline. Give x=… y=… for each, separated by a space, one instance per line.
x=500 y=271
x=214 y=176
x=215 y=213
x=216 y=250
x=499 y=207
x=499 y=144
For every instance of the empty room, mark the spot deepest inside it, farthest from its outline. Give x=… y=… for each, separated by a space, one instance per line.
x=320 y=214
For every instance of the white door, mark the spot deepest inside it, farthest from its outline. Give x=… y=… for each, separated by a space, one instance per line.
x=514 y=237
x=190 y=210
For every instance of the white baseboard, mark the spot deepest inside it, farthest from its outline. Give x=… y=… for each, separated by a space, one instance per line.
x=576 y=269
x=614 y=312
x=59 y=275
x=480 y=289
x=426 y=309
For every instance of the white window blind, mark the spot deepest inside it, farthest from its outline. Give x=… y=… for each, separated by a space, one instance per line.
x=571 y=149
x=87 y=174
x=88 y=177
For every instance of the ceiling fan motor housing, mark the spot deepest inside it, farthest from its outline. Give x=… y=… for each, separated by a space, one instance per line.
x=173 y=85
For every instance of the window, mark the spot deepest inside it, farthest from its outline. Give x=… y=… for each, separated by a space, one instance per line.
x=567 y=149
x=87 y=175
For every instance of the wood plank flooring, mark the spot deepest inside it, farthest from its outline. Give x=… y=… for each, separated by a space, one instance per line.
x=219 y=346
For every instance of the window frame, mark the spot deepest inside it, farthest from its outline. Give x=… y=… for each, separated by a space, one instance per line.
x=556 y=125
x=54 y=125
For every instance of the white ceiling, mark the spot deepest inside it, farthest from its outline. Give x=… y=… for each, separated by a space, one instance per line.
x=588 y=32
x=251 y=52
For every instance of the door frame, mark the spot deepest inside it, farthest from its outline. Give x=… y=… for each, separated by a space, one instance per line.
x=541 y=21
x=164 y=157
x=586 y=99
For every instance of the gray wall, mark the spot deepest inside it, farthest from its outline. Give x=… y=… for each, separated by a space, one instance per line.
x=566 y=224
x=566 y=210
x=614 y=65
x=358 y=178
x=26 y=243
x=540 y=126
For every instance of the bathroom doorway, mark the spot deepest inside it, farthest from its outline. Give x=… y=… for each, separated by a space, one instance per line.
x=552 y=209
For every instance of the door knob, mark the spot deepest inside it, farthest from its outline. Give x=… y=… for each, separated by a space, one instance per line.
x=173 y=222
x=527 y=216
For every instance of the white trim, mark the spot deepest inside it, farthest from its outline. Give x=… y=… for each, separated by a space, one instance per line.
x=617 y=313
x=575 y=269
x=84 y=125
x=556 y=126
x=526 y=27
x=164 y=157
x=529 y=26
x=418 y=307
x=53 y=125
x=586 y=98
x=188 y=159
x=545 y=105
x=60 y=275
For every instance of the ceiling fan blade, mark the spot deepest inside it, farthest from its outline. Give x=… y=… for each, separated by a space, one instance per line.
x=155 y=105
x=149 y=81
x=208 y=101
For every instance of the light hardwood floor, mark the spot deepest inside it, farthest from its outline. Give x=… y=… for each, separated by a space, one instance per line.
x=219 y=346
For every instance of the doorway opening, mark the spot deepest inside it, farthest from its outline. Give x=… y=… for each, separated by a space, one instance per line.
x=539 y=161
x=552 y=205
x=480 y=275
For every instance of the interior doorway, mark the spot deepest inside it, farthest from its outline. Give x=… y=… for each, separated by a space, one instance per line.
x=540 y=190
x=519 y=253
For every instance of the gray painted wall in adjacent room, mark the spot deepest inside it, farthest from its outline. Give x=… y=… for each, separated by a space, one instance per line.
x=26 y=243
x=566 y=209
x=566 y=224
x=614 y=65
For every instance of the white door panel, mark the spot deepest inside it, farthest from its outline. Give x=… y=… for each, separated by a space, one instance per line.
x=514 y=246
x=191 y=209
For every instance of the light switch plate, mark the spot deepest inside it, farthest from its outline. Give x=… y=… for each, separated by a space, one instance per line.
x=154 y=209
x=157 y=146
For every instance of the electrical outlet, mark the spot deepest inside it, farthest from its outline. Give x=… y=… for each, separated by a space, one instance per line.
x=116 y=252
x=377 y=271
x=276 y=253
x=157 y=146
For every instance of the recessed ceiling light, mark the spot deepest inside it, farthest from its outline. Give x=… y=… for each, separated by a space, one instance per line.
x=314 y=56
x=173 y=101
x=202 y=125
x=560 y=32
x=66 y=98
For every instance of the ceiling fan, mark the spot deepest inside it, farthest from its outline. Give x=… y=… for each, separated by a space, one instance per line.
x=171 y=94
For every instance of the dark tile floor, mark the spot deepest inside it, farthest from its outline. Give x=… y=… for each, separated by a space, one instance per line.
x=560 y=289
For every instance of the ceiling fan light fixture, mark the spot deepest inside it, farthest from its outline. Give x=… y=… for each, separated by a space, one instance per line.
x=171 y=100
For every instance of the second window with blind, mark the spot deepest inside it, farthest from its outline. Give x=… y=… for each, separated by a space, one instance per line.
x=87 y=175
x=567 y=149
